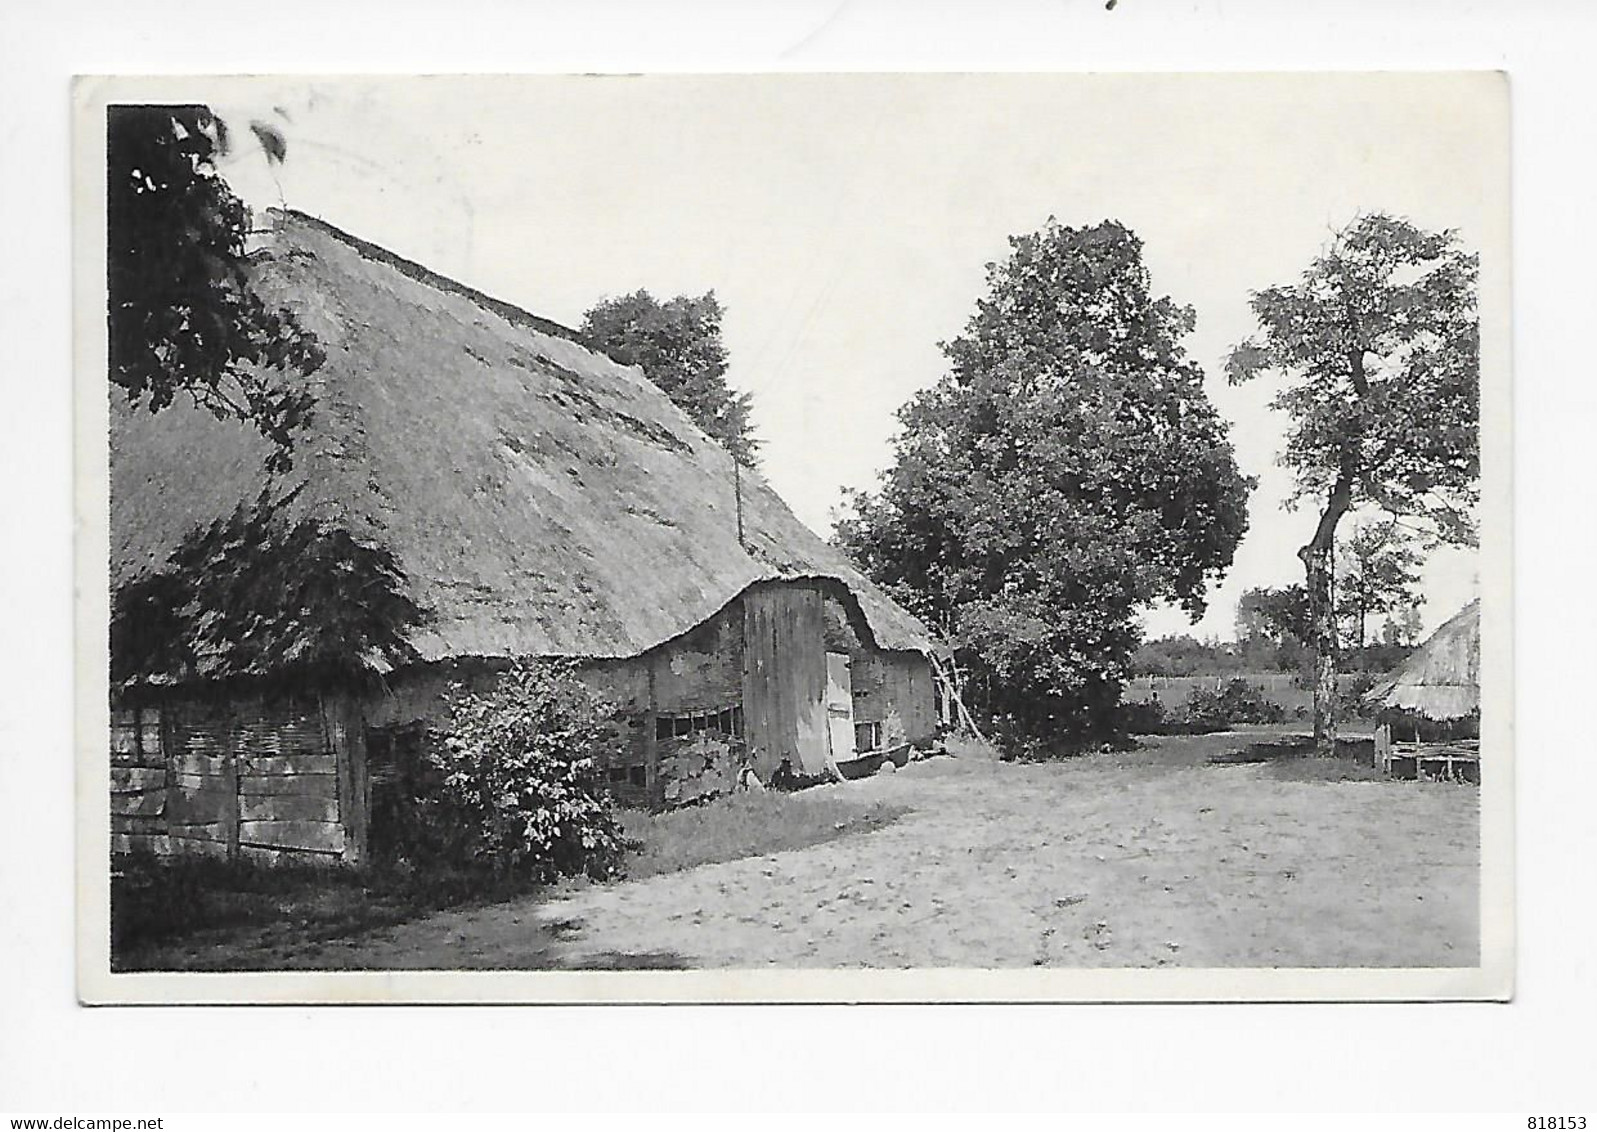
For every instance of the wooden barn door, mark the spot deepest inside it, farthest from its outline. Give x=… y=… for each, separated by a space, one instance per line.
x=840 y=706
x=784 y=679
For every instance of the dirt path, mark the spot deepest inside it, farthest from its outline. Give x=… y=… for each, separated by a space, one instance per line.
x=1148 y=859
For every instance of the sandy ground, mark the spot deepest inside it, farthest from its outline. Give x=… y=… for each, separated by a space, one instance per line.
x=1152 y=858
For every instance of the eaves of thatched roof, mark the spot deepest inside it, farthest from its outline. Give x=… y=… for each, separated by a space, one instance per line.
x=1442 y=678
x=541 y=499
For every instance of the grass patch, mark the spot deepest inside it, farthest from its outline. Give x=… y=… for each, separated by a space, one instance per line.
x=963 y=746
x=745 y=825
x=1293 y=759
x=162 y=905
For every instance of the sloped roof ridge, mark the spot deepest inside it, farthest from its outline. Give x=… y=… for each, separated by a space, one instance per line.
x=471 y=560
x=430 y=278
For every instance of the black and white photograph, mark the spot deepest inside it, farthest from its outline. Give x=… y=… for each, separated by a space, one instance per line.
x=794 y=537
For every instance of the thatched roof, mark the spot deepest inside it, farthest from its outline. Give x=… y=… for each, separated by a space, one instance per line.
x=1442 y=678
x=541 y=499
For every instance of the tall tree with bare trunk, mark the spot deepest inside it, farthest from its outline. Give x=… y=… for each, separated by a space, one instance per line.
x=1378 y=346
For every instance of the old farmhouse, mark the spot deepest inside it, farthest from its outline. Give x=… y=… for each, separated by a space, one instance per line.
x=536 y=500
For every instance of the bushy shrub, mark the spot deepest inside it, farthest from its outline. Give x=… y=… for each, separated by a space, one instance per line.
x=1143 y=717
x=1237 y=702
x=517 y=789
x=1241 y=702
x=1203 y=713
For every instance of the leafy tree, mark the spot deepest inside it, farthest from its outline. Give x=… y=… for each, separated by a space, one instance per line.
x=1380 y=347
x=677 y=344
x=1401 y=629
x=1275 y=621
x=1378 y=572
x=1279 y=614
x=1409 y=624
x=1066 y=471
x=183 y=318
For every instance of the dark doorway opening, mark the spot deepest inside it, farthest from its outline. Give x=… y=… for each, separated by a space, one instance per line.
x=397 y=767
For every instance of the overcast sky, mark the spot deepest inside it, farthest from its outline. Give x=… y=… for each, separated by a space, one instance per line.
x=845 y=222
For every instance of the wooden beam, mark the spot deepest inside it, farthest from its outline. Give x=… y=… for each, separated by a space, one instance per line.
x=230 y=770
x=287 y=807
x=158 y=844
x=654 y=789
x=305 y=785
x=135 y=779
x=346 y=740
x=200 y=807
x=150 y=803
x=263 y=765
x=328 y=837
x=148 y=824
x=190 y=762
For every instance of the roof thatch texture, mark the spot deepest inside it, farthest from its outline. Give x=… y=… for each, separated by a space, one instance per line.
x=1442 y=678
x=541 y=500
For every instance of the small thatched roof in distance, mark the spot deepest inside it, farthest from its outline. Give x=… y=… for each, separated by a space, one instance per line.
x=1442 y=678
x=542 y=500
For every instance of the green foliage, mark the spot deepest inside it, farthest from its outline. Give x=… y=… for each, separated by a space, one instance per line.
x=1067 y=471
x=1278 y=614
x=517 y=789
x=1236 y=702
x=1206 y=710
x=1380 y=345
x=1402 y=627
x=1272 y=625
x=1381 y=657
x=1142 y=717
x=678 y=346
x=256 y=594
x=1185 y=655
x=182 y=315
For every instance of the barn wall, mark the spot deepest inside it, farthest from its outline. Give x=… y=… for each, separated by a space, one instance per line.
x=256 y=775
x=784 y=683
x=696 y=711
x=628 y=769
x=907 y=688
x=891 y=688
x=420 y=696
x=698 y=674
x=703 y=669
x=245 y=776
